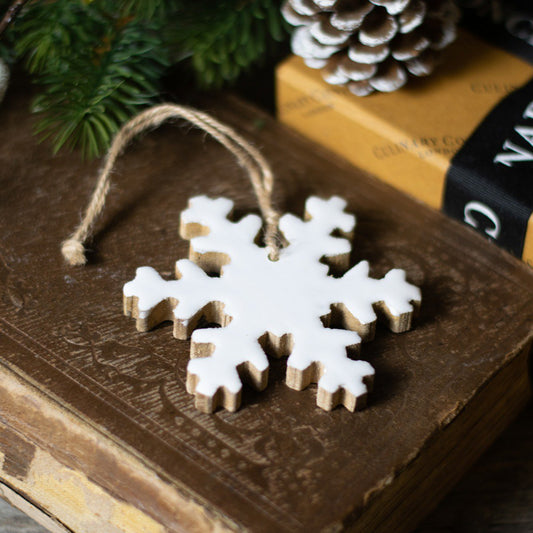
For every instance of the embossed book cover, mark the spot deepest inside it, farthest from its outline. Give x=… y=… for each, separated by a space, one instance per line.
x=97 y=429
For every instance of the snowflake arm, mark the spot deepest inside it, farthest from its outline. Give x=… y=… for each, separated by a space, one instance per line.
x=213 y=238
x=358 y=297
x=152 y=300
x=320 y=357
x=220 y=357
x=149 y=298
x=313 y=237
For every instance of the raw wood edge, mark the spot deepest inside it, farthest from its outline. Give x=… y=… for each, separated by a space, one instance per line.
x=30 y=509
x=24 y=408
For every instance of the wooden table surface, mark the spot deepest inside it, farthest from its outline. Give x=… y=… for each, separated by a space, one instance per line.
x=496 y=496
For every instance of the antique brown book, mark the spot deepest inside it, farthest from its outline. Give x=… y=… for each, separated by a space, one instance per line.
x=97 y=430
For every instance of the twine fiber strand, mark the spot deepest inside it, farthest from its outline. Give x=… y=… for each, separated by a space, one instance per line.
x=248 y=157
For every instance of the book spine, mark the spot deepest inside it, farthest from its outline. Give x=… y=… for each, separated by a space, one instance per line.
x=489 y=183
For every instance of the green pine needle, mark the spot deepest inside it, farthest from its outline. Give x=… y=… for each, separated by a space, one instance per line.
x=225 y=38
x=89 y=95
x=47 y=31
x=99 y=62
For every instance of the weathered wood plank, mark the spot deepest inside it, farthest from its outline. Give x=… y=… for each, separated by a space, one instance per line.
x=496 y=495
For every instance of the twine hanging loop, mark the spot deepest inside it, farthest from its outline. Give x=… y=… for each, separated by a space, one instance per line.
x=247 y=155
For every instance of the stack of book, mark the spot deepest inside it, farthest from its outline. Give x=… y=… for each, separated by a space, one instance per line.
x=461 y=140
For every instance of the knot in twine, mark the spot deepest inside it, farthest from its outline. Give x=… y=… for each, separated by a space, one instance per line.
x=248 y=157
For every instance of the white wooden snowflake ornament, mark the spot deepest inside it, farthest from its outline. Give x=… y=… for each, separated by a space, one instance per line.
x=286 y=307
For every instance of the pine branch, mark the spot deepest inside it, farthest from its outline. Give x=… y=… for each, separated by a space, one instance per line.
x=49 y=31
x=100 y=61
x=224 y=39
x=89 y=95
x=150 y=9
x=10 y=14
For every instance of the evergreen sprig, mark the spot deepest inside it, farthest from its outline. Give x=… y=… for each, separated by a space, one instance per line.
x=46 y=34
x=98 y=62
x=119 y=79
x=148 y=9
x=226 y=38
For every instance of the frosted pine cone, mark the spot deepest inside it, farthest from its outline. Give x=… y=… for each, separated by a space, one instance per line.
x=371 y=45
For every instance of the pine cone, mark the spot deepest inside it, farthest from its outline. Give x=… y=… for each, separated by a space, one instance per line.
x=371 y=45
